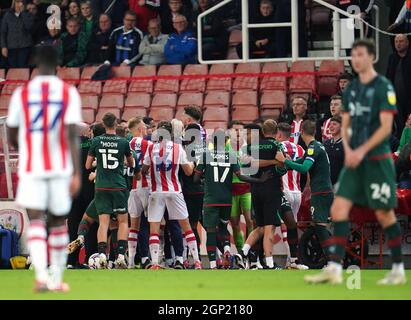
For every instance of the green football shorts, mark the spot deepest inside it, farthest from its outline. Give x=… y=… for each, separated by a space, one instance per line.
x=372 y=184
x=111 y=202
x=321 y=206
x=241 y=203
x=213 y=215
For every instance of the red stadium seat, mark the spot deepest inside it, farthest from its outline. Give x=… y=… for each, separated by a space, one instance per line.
x=246 y=114
x=121 y=72
x=214 y=125
x=112 y=101
x=244 y=106
x=69 y=75
x=217 y=99
x=3 y=112
x=273 y=100
x=90 y=87
x=194 y=85
x=87 y=72
x=270 y=114
x=16 y=74
x=186 y=99
x=101 y=112
x=89 y=101
x=131 y=112
x=167 y=100
x=271 y=83
x=220 y=84
x=179 y=113
x=303 y=83
x=4 y=102
x=216 y=114
x=115 y=86
x=165 y=85
x=159 y=114
x=142 y=85
x=246 y=83
x=328 y=84
x=138 y=100
x=89 y=115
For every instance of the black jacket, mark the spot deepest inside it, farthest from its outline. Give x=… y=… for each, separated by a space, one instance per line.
x=393 y=61
x=94 y=52
x=16 y=31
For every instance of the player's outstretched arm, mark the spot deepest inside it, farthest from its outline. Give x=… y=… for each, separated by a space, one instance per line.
x=302 y=168
x=264 y=177
x=89 y=162
x=188 y=168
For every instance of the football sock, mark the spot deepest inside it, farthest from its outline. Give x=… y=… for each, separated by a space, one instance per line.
x=393 y=234
x=83 y=228
x=323 y=235
x=154 y=244
x=284 y=235
x=238 y=240
x=211 y=246
x=132 y=245
x=246 y=249
x=122 y=247
x=185 y=252
x=224 y=234
x=398 y=267
x=102 y=247
x=37 y=246
x=192 y=244
x=58 y=241
x=293 y=242
x=113 y=244
x=269 y=261
x=180 y=259
x=338 y=241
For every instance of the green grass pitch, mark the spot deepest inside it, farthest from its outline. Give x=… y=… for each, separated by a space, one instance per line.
x=198 y=285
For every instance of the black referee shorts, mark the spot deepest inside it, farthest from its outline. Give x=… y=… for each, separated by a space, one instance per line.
x=266 y=206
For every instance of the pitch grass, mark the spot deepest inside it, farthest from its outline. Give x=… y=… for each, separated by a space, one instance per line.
x=198 y=285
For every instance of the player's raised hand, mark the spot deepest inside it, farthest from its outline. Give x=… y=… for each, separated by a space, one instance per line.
x=75 y=184
x=354 y=158
x=280 y=156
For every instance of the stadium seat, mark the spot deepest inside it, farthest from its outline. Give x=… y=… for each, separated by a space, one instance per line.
x=88 y=115
x=244 y=106
x=121 y=72
x=4 y=102
x=160 y=114
x=21 y=75
x=69 y=75
x=303 y=83
x=168 y=85
x=88 y=71
x=89 y=101
x=220 y=84
x=101 y=112
x=142 y=85
x=271 y=83
x=179 y=113
x=90 y=87
x=166 y=100
x=131 y=112
x=213 y=125
x=115 y=86
x=194 y=98
x=194 y=85
x=217 y=99
x=328 y=84
x=112 y=101
x=273 y=100
x=270 y=114
x=138 y=100
x=219 y=114
x=246 y=83
x=245 y=114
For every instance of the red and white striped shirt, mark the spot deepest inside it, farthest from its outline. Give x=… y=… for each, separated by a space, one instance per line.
x=40 y=110
x=164 y=159
x=291 y=180
x=326 y=130
x=296 y=130
x=140 y=147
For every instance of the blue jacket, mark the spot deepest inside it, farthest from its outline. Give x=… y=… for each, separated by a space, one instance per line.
x=181 y=48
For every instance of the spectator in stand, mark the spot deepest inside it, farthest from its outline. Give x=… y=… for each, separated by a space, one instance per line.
x=73 y=10
x=16 y=40
x=299 y=106
x=99 y=44
x=114 y=8
x=125 y=41
x=406 y=134
x=343 y=81
x=335 y=149
x=52 y=38
x=89 y=21
x=215 y=37
x=175 y=7
x=146 y=10
x=152 y=46
x=262 y=39
x=39 y=29
x=335 y=110
x=73 y=46
x=181 y=47
x=399 y=73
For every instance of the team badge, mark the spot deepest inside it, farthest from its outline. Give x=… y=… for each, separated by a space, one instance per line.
x=310 y=151
x=392 y=99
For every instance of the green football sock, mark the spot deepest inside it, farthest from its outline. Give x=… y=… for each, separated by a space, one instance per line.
x=292 y=236
x=323 y=235
x=83 y=228
x=339 y=240
x=393 y=234
x=211 y=245
x=238 y=239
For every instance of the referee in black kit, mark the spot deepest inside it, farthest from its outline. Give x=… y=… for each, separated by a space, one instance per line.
x=266 y=197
